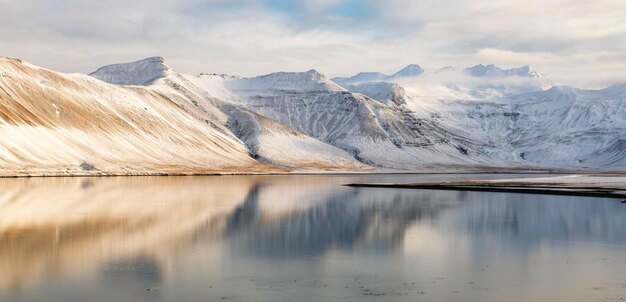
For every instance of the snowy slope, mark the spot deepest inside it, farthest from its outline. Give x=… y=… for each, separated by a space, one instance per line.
x=56 y=124
x=266 y=140
x=375 y=133
x=275 y=143
x=304 y=120
x=381 y=91
x=492 y=118
x=559 y=127
x=513 y=116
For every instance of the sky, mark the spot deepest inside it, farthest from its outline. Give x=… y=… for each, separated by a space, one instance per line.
x=580 y=43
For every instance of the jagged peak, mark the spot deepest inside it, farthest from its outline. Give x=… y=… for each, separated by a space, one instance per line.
x=313 y=72
x=482 y=70
x=141 y=72
x=492 y=70
x=369 y=73
x=446 y=69
x=532 y=72
x=410 y=70
x=361 y=77
x=294 y=81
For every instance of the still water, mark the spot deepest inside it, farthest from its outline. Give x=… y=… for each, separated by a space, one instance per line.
x=303 y=238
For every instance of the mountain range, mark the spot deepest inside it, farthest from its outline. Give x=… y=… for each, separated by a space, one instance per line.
x=144 y=117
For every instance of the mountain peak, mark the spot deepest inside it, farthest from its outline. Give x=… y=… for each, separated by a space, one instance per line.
x=155 y=59
x=361 y=77
x=530 y=71
x=142 y=72
x=411 y=70
x=370 y=74
x=482 y=70
x=492 y=70
x=311 y=80
x=448 y=68
x=313 y=72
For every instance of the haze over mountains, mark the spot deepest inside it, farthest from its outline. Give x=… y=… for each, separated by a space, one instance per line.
x=144 y=117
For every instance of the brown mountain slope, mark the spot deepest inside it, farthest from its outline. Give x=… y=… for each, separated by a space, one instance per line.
x=57 y=124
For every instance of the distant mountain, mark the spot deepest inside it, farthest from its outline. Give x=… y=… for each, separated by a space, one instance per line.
x=492 y=70
x=444 y=69
x=480 y=82
x=362 y=77
x=415 y=71
x=287 y=81
x=410 y=71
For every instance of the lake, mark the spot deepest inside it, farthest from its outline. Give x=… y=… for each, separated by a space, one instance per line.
x=303 y=238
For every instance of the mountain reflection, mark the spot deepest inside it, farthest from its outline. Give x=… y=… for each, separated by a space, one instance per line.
x=52 y=226
x=247 y=214
x=137 y=229
x=527 y=221
x=354 y=218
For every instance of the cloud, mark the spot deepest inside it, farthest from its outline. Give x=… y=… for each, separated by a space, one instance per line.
x=320 y=5
x=574 y=41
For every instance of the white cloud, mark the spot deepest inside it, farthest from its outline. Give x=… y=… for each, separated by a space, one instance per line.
x=320 y=5
x=576 y=42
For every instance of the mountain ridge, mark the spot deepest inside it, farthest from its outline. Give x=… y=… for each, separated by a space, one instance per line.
x=144 y=117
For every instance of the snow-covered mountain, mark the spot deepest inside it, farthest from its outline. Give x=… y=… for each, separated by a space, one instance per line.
x=561 y=126
x=145 y=117
x=267 y=140
x=378 y=134
x=343 y=129
x=410 y=71
x=361 y=77
x=414 y=70
x=71 y=124
x=492 y=70
x=513 y=115
x=477 y=82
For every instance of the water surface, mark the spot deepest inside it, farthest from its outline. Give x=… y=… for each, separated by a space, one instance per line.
x=303 y=238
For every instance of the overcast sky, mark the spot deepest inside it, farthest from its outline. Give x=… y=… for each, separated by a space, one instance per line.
x=576 y=42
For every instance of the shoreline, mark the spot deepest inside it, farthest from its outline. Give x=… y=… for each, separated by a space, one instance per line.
x=590 y=185
x=320 y=172
x=503 y=189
